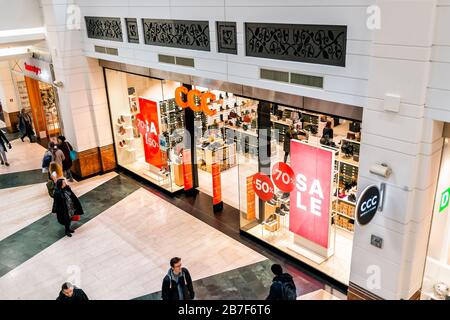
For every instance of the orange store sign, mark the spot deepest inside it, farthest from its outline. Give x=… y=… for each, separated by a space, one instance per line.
x=191 y=94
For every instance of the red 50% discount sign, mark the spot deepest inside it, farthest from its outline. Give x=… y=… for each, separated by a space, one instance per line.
x=283 y=177
x=263 y=186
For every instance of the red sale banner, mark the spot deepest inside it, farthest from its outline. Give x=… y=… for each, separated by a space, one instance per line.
x=263 y=186
x=217 y=187
x=310 y=200
x=148 y=125
x=283 y=177
x=187 y=170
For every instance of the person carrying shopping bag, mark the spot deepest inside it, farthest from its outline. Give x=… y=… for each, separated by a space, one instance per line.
x=66 y=206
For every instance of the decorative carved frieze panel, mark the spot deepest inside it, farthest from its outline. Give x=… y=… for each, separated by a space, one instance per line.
x=104 y=28
x=226 y=37
x=192 y=35
x=132 y=30
x=319 y=44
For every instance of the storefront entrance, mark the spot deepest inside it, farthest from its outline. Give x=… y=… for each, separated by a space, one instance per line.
x=289 y=172
x=436 y=282
x=36 y=94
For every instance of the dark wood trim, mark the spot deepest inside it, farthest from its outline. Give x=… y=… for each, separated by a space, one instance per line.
x=108 y=158
x=11 y=121
x=416 y=296
x=88 y=163
x=356 y=292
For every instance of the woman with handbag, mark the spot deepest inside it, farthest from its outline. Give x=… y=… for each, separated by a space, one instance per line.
x=66 y=206
x=68 y=151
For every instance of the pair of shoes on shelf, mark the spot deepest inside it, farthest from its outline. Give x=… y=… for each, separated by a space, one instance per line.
x=285 y=196
x=123 y=144
x=270 y=219
x=120 y=120
x=122 y=131
x=284 y=207
x=280 y=212
x=352 y=197
x=272 y=202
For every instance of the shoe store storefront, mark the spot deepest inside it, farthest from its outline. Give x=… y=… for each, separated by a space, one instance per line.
x=436 y=280
x=289 y=167
x=33 y=79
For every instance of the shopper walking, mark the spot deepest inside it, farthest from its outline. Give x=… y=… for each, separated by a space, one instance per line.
x=71 y=293
x=328 y=131
x=57 y=154
x=66 y=148
x=66 y=205
x=54 y=174
x=283 y=286
x=3 y=143
x=25 y=125
x=47 y=159
x=177 y=284
x=287 y=143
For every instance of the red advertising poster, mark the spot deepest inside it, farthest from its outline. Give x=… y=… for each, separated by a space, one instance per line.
x=148 y=125
x=217 y=188
x=310 y=200
x=187 y=170
x=251 y=212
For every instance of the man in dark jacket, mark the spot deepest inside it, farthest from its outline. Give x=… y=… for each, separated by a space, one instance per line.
x=177 y=284
x=25 y=125
x=283 y=286
x=65 y=205
x=66 y=148
x=3 y=143
x=287 y=143
x=70 y=293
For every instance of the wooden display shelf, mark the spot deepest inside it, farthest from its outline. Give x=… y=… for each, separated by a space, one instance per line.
x=342 y=228
x=352 y=141
x=344 y=215
x=346 y=201
x=348 y=161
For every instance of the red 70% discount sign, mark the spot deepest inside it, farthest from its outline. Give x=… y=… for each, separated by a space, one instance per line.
x=283 y=177
x=263 y=186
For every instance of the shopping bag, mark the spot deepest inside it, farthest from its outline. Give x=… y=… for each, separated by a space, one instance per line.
x=76 y=217
x=73 y=155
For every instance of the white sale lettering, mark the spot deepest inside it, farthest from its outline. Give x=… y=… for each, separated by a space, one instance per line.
x=315 y=193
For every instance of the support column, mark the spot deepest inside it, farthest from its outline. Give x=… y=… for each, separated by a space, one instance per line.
x=8 y=98
x=406 y=141
x=84 y=108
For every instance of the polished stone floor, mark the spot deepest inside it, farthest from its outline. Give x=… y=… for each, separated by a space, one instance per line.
x=122 y=245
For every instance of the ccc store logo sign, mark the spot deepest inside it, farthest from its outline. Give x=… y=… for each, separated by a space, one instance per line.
x=191 y=94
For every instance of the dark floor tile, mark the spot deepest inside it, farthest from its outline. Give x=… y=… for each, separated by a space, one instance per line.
x=22 y=178
x=31 y=240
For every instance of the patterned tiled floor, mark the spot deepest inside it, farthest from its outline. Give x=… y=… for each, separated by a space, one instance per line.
x=123 y=243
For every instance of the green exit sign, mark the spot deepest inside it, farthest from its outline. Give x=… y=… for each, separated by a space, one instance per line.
x=445 y=199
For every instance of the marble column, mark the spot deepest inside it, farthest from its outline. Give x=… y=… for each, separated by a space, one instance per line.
x=83 y=101
x=406 y=141
x=8 y=97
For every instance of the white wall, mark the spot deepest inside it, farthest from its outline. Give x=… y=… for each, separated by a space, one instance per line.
x=8 y=96
x=438 y=99
x=408 y=142
x=20 y=14
x=83 y=102
x=346 y=85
